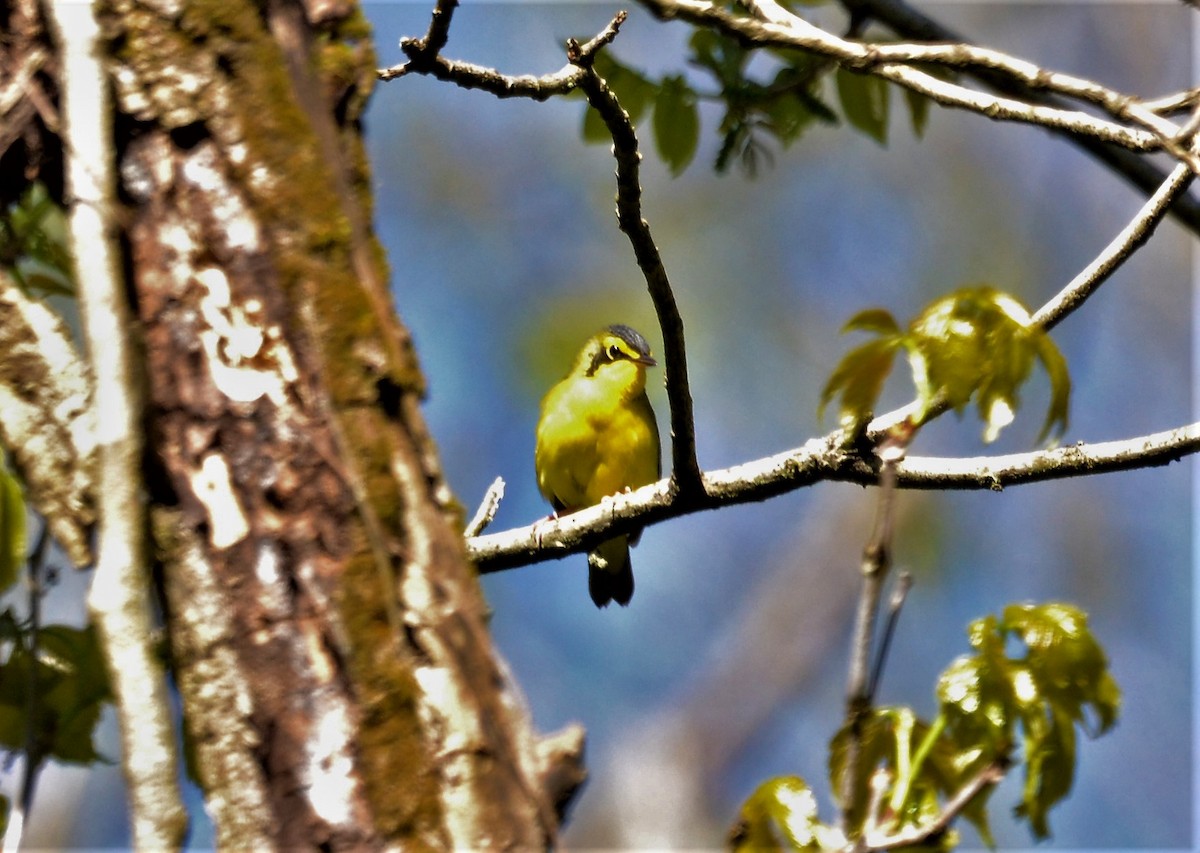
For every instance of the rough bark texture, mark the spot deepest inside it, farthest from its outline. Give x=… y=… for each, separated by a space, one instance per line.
x=327 y=632
x=45 y=395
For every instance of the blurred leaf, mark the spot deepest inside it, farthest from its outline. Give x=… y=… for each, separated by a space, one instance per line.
x=875 y=320
x=12 y=529
x=33 y=242
x=72 y=687
x=918 y=111
x=781 y=814
x=858 y=378
x=864 y=99
x=676 y=123
x=719 y=54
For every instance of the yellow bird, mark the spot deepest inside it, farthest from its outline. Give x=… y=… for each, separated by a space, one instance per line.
x=596 y=437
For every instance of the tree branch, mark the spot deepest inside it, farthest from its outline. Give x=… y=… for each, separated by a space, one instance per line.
x=990 y=775
x=1120 y=249
x=119 y=596
x=876 y=563
x=911 y=23
x=48 y=425
x=890 y=61
x=819 y=460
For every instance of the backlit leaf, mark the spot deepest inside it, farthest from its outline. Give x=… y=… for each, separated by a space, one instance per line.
x=781 y=814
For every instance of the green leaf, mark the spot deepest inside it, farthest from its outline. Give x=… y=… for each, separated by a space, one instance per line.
x=918 y=111
x=781 y=814
x=864 y=99
x=72 y=687
x=858 y=379
x=980 y=343
x=875 y=320
x=676 y=123
x=922 y=764
x=990 y=697
x=12 y=529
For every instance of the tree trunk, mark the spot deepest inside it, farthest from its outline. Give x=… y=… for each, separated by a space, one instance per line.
x=326 y=629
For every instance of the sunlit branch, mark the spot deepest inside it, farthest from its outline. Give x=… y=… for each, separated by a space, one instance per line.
x=1120 y=249
x=487 y=508
x=986 y=778
x=819 y=460
x=119 y=598
x=910 y=23
x=891 y=62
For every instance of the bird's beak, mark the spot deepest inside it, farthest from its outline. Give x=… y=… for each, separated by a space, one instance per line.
x=646 y=360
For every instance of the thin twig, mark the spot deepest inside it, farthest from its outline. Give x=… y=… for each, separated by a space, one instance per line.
x=579 y=73
x=899 y=594
x=989 y=776
x=876 y=562
x=487 y=509
x=1119 y=250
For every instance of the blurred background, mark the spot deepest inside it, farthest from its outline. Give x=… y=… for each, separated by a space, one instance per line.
x=729 y=665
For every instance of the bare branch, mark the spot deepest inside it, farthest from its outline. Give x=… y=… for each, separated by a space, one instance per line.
x=876 y=563
x=910 y=23
x=1122 y=247
x=818 y=460
x=119 y=596
x=487 y=508
x=890 y=61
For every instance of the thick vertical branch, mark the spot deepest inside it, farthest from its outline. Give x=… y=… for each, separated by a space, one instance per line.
x=330 y=639
x=119 y=597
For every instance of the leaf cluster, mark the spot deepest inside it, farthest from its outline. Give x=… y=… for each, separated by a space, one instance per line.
x=67 y=675
x=995 y=707
x=767 y=94
x=53 y=681
x=976 y=343
x=33 y=243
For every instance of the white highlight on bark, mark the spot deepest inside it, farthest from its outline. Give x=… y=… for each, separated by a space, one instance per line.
x=212 y=485
x=330 y=773
x=240 y=228
x=246 y=360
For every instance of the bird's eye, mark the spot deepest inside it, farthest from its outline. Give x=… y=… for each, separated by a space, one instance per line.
x=613 y=352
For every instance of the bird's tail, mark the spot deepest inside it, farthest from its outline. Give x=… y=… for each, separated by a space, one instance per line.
x=610 y=576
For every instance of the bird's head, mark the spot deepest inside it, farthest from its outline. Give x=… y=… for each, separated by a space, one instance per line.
x=617 y=355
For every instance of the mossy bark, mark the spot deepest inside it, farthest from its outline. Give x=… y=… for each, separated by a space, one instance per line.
x=327 y=631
